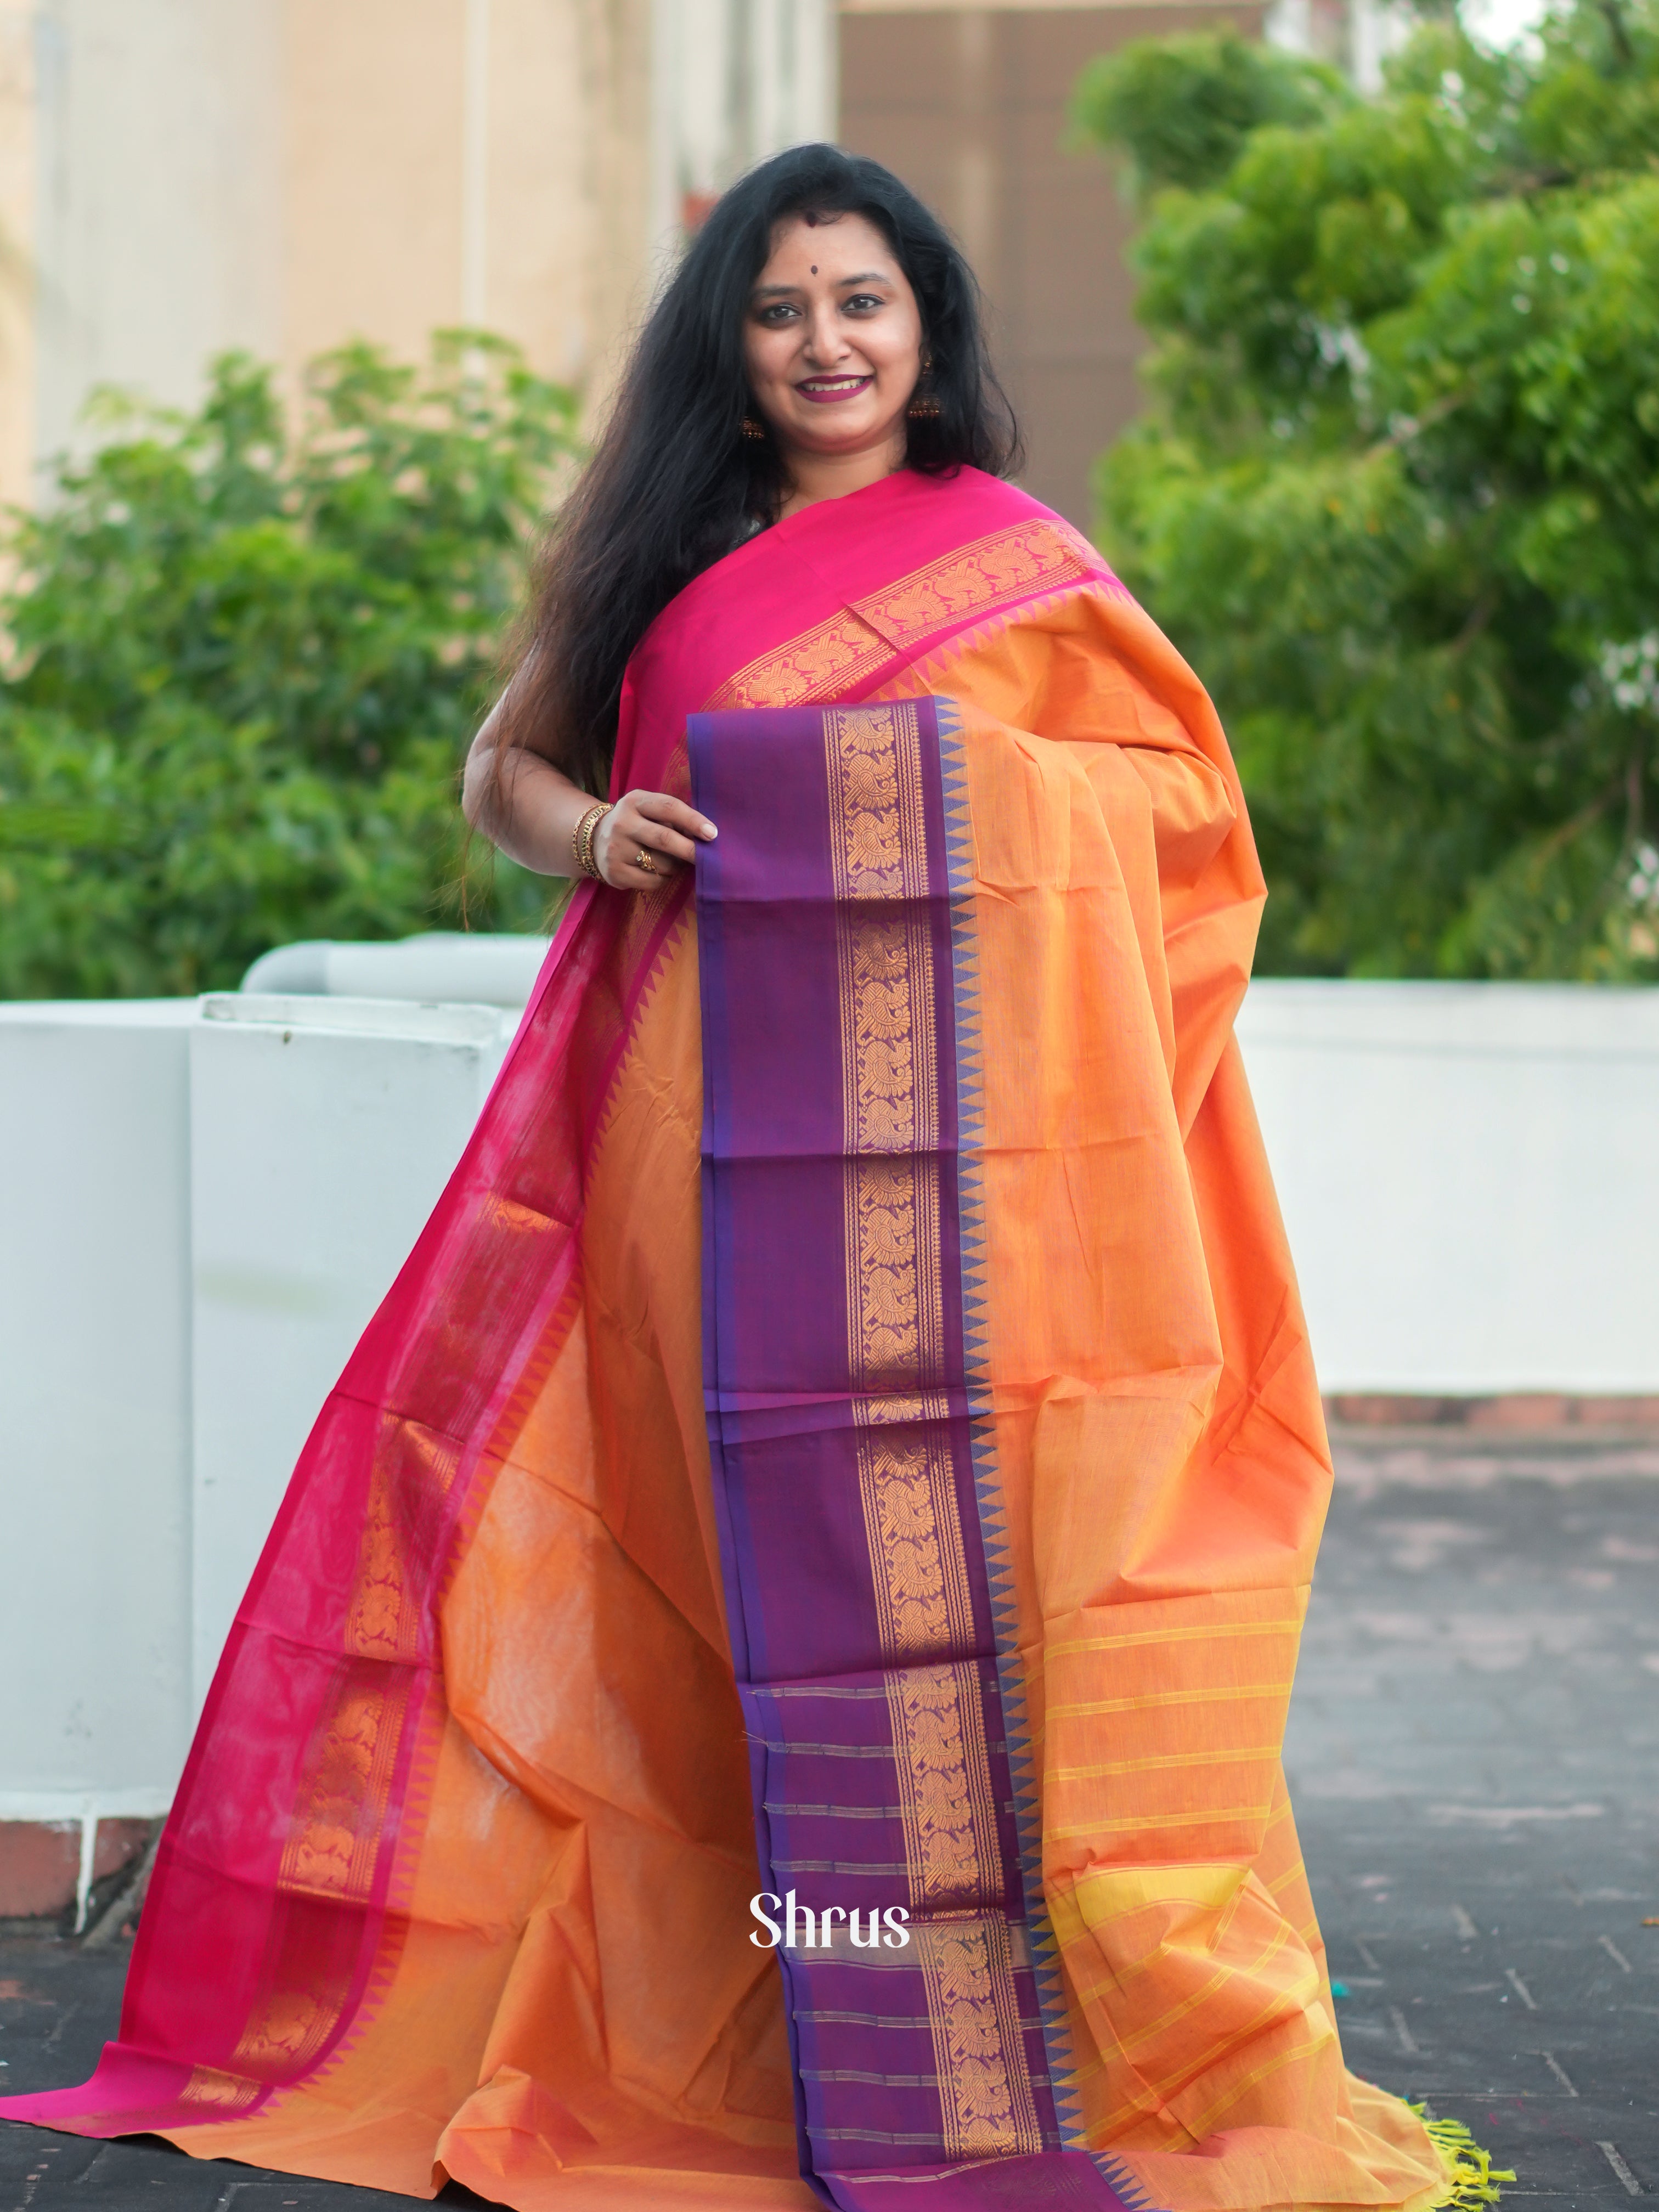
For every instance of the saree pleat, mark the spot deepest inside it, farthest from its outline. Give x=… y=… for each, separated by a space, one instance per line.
x=847 y=1428
x=861 y=1573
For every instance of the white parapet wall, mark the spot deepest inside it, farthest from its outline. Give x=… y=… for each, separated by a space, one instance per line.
x=1470 y=1177
x=95 y=1408
x=322 y=1132
x=201 y=1201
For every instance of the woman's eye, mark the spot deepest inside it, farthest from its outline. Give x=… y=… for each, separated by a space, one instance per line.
x=779 y=312
x=863 y=301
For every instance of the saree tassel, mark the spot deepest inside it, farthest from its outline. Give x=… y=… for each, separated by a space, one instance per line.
x=1471 y=2178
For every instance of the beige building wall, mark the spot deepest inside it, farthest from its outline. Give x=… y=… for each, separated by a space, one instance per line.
x=969 y=106
x=16 y=230
x=157 y=214
x=446 y=161
x=181 y=176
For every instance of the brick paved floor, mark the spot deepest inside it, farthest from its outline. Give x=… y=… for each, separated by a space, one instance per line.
x=1472 y=1753
x=1472 y=1758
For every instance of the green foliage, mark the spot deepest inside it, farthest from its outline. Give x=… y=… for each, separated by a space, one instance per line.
x=244 y=660
x=1398 y=497
x=1182 y=107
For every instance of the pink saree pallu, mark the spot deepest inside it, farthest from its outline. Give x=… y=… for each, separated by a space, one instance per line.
x=847 y=1435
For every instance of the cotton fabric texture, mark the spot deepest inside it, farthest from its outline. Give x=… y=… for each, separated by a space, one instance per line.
x=848 y=1426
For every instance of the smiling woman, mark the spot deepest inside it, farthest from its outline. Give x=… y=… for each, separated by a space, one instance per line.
x=847 y=1435
x=823 y=332
x=835 y=354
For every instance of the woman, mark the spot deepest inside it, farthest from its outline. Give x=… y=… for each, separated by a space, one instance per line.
x=926 y=1594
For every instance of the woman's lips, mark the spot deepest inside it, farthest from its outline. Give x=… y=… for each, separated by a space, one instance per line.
x=824 y=391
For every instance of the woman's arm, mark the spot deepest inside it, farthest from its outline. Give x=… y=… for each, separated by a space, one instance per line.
x=530 y=811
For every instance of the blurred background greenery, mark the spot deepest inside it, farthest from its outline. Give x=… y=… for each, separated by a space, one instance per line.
x=1395 y=494
x=244 y=662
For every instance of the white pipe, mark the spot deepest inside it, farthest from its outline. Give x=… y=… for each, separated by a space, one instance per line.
x=84 y=1878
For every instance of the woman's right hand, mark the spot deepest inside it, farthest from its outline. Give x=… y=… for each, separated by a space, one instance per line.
x=665 y=829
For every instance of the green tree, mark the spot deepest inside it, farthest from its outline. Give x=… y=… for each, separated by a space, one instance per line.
x=243 y=662
x=1397 y=495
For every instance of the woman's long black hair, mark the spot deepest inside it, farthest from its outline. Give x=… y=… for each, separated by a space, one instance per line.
x=674 y=481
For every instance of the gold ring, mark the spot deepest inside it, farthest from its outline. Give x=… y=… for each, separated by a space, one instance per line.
x=642 y=859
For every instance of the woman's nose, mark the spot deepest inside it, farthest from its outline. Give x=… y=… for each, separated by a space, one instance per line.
x=823 y=337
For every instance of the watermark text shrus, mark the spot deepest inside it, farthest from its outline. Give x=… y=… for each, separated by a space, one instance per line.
x=801 y=1928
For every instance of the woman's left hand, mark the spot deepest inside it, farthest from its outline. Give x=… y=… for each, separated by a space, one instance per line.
x=645 y=836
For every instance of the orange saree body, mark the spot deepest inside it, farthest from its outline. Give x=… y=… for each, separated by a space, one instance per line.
x=458 y=1881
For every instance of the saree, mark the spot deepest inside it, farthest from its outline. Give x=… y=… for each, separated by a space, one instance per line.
x=843 y=1460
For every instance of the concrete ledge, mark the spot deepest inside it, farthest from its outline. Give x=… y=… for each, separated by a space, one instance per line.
x=49 y=1870
x=1469 y=1182
x=439 y=966
x=1516 y=1412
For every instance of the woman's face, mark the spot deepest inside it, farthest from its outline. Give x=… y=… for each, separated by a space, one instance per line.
x=833 y=337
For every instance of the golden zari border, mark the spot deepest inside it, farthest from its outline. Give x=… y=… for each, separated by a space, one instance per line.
x=330 y=1856
x=973 y=2008
x=951 y=1843
x=889 y=1101
x=890 y=1105
x=212 y=2094
x=334 y=1841
x=907 y=1486
x=890 y=1074
x=412 y=1467
x=977 y=579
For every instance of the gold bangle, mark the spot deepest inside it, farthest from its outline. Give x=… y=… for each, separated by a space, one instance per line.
x=581 y=840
